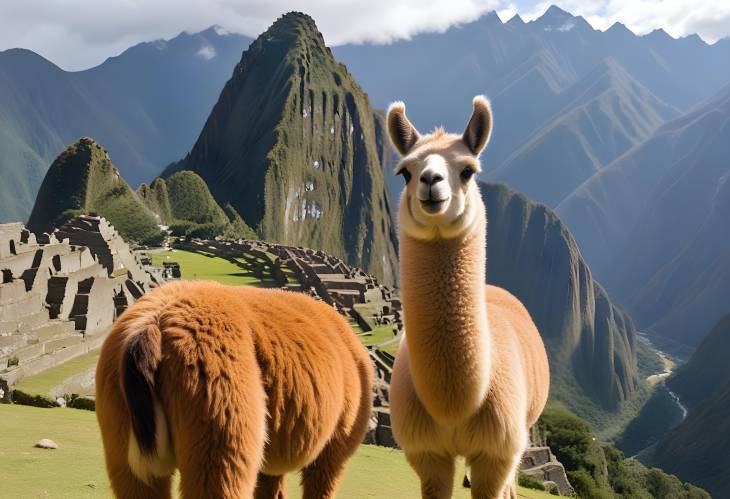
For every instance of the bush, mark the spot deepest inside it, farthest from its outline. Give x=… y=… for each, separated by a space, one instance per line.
x=76 y=402
x=529 y=482
x=22 y=398
x=206 y=231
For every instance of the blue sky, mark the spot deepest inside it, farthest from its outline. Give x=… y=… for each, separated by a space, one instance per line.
x=77 y=34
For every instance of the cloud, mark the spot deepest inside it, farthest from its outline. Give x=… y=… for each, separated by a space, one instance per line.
x=77 y=34
x=206 y=52
x=708 y=18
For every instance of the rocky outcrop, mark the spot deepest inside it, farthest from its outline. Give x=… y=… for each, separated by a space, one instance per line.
x=291 y=146
x=591 y=343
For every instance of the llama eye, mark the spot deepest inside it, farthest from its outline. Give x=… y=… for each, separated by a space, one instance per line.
x=406 y=175
x=467 y=173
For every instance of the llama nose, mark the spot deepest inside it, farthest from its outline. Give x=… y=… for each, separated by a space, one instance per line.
x=429 y=178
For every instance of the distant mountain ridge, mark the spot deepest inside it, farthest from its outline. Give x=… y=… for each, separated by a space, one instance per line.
x=292 y=145
x=597 y=119
x=146 y=105
x=653 y=224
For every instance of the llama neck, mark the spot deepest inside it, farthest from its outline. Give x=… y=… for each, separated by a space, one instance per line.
x=447 y=332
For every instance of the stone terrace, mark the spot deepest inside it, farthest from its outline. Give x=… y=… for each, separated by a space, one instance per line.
x=61 y=292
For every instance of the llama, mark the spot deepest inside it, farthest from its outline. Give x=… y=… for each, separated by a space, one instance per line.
x=233 y=386
x=471 y=374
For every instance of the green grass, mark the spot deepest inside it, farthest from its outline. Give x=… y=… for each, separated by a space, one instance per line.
x=76 y=468
x=205 y=267
x=378 y=335
x=42 y=383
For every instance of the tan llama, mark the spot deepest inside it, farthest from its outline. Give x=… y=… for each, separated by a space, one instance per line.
x=471 y=375
x=233 y=386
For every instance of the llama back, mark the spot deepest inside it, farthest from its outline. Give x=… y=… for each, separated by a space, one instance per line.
x=505 y=308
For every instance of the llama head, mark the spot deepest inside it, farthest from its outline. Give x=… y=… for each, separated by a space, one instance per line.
x=441 y=198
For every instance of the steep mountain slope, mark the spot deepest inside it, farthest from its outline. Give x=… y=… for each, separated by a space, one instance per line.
x=146 y=105
x=600 y=117
x=708 y=370
x=696 y=450
x=291 y=144
x=591 y=342
x=651 y=224
x=83 y=180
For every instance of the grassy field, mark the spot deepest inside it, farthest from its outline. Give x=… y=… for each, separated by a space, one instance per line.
x=76 y=468
x=205 y=267
x=41 y=384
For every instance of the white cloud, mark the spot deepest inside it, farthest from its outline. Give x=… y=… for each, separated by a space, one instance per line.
x=77 y=34
x=206 y=52
x=507 y=13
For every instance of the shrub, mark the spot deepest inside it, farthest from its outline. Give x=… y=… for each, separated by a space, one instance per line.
x=529 y=482
x=22 y=398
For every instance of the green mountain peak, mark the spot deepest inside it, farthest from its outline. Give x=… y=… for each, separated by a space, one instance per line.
x=291 y=144
x=83 y=180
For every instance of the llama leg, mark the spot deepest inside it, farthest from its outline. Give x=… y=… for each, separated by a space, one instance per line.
x=270 y=487
x=492 y=477
x=436 y=473
x=126 y=485
x=320 y=478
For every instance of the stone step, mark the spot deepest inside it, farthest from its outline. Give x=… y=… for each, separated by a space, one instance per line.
x=53 y=329
x=10 y=343
x=25 y=305
x=61 y=343
x=26 y=324
x=26 y=353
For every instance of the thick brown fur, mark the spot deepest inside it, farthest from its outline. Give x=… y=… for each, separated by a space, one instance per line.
x=233 y=386
x=471 y=375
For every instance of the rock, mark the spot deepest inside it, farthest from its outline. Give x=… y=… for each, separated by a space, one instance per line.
x=61 y=402
x=46 y=443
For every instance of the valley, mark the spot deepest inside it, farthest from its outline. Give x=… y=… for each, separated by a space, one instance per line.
x=265 y=161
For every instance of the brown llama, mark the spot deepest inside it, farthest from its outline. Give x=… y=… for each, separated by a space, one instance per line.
x=233 y=386
x=471 y=374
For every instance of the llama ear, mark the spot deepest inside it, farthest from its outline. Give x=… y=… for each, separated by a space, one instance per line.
x=479 y=128
x=402 y=133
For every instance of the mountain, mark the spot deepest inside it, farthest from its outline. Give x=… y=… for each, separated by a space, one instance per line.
x=523 y=67
x=707 y=371
x=599 y=118
x=696 y=450
x=652 y=224
x=146 y=105
x=591 y=342
x=291 y=144
x=83 y=180
x=184 y=202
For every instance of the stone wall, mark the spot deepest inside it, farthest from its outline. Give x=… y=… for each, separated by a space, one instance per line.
x=61 y=292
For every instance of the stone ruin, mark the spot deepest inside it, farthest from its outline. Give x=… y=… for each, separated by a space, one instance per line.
x=61 y=292
x=540 y=463
x=314 y=272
